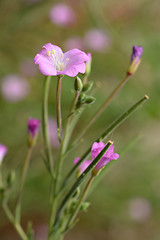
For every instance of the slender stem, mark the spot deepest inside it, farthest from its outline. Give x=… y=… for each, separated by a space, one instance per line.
x=80 y=180
x=17 y=226
x=45 y=122
x=73 y=106
x=67 y=133
x=106 y=133
x=58 y=104
x=102 y=108
x=83 y=196
x=22 y=180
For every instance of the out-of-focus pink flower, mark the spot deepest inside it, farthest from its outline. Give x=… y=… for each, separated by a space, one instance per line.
x=32 y=129
x=62 y=15
x=52 y=130
x=140 y=209
x=28 y=68
x=97 y=40
x=41 y=231
x=107 y=157
x=52 y=61
x=14 y=88
x=3 y=151
x=74 y=42
x=82 y=166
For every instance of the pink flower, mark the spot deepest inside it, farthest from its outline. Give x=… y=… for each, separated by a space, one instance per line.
x=52 y=61
x=97 y=40
x=3 y=151
x=62 y=15
x=83 y=165
x=108 y=156
x=140 y=209
x=14 y=88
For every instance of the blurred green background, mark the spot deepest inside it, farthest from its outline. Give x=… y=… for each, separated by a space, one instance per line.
x=126 y=204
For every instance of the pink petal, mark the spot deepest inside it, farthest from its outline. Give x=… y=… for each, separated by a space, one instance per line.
x=75 y=57
x=76 y=160
x=47 y=69
x=50 y=47
x=115 y=156
x=70 y=71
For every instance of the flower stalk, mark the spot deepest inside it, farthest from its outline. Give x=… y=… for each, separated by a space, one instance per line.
x=22 y=180
x=58 y=106
x=45 y=123
x=82 y=198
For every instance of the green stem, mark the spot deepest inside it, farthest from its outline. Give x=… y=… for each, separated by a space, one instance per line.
x=68 y=130
x=83 y=196
x=16 y=225
x=58 y=104
x=102 y=108
x=79 y=181
x=45 y=122
x=22 y=180
x=106 y=133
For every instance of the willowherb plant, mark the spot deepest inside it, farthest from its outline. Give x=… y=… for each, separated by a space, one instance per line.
x=66 y=196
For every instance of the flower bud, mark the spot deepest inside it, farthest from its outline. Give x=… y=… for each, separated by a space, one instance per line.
x=135 y=59
x=3 y=151
x=78 y=84
x=33 y=127
x=90 y=100
x=87 y=87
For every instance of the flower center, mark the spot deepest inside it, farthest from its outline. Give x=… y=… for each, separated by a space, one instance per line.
x=57 y=60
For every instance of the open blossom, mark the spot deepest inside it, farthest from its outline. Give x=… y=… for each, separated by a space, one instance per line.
x=3 y=151
x=62 y=15
x=135 y=59
x=107 y=157
x=14 y=88
x=52 y=61
x=83 y=165
x=33 y=127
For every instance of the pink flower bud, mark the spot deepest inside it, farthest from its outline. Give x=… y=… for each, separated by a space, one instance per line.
x=33 y=127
